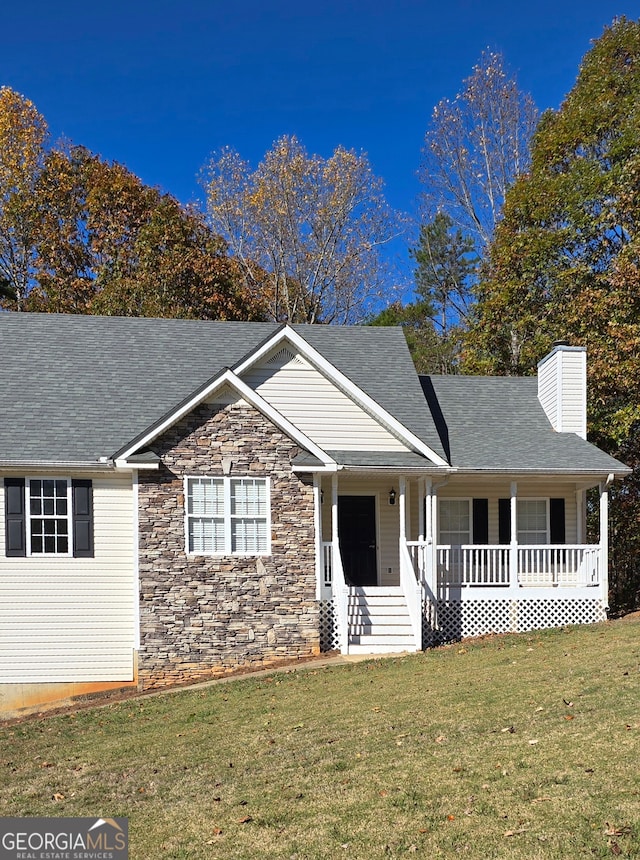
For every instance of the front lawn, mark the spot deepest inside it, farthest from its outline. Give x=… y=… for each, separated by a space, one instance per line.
x=521 y=747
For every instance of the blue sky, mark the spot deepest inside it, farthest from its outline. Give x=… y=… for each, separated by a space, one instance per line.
x=159 y=84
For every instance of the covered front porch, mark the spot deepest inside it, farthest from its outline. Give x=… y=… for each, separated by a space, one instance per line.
x=409 y=560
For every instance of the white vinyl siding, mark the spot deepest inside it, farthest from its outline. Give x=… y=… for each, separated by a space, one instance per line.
x=318 y=408
x=65 y=619
x=562 y=389
x=227 y=516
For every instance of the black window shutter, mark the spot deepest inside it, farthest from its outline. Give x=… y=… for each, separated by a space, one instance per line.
x=82 y=492
x=558 y=533
x=504 y=520
x=15 y=534
x=481 y=521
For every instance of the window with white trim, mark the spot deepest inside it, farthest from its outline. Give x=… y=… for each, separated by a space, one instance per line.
x=533 y=521
x=227 y=516
x=455 y=522
x=48 y=520
x=48 y=516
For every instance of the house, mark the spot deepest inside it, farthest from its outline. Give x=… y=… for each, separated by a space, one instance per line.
x=183 y=498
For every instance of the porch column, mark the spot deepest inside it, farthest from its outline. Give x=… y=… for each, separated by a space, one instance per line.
x=402 y=510
x=580 y=508
x=430 y=552
x=317 y=526
x=421 y=505
x=334 y=511
x=604 y=541
x=513 y=552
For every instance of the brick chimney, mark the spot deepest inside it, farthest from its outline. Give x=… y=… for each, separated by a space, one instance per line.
x=562 y=388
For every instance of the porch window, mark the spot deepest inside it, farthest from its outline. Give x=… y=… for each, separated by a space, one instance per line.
x=227 y=516
x=455 y=522
x=533 y=521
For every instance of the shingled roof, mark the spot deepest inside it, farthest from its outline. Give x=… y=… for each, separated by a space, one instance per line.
x=75 y=389
x=496 y=424
x=78 y=388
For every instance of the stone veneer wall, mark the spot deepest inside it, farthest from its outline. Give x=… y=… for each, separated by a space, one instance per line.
x=204 y=615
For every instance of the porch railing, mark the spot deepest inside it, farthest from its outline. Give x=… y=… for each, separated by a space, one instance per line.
x=562 y=565
x=559 y=565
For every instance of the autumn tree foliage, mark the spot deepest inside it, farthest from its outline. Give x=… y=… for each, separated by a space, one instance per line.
x=79 y=234
x=314 y=225
x=565 y=264
x=23 y=134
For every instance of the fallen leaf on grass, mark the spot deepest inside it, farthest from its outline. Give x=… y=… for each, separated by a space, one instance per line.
x=509 y=729
x=451 y=818
x=58 y=797
x=568 y=716
x=540 y=799
x=516 y=832
x=625 y=830
x=533 y=742
x=245 y=820
x=440 y=739
x=616 y=850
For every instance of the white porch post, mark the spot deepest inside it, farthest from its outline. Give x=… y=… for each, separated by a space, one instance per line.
x=433 y=549
x=580 y=508
x=421 y=505
x=513 y=552
x=317 y=526
x=403 y=509
x=334 y=512
x=604 y=542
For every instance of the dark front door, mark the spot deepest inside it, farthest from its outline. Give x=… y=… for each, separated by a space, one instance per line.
x=357 y=531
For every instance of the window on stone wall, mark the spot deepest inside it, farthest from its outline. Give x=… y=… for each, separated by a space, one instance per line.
x=227 y=516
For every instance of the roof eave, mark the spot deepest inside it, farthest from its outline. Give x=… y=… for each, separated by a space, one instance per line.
x=102 y=465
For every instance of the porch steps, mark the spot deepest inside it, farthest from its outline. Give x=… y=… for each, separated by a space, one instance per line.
x=379 y=621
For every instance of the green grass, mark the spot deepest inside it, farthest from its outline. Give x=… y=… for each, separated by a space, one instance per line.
x=521 y=747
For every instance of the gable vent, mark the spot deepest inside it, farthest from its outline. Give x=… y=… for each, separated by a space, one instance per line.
x=284 y=356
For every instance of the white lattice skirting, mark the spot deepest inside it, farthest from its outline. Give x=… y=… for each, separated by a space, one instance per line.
x=458 y=619
x=329 y=640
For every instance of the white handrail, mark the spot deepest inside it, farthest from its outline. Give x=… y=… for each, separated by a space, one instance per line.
x=412 y=590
